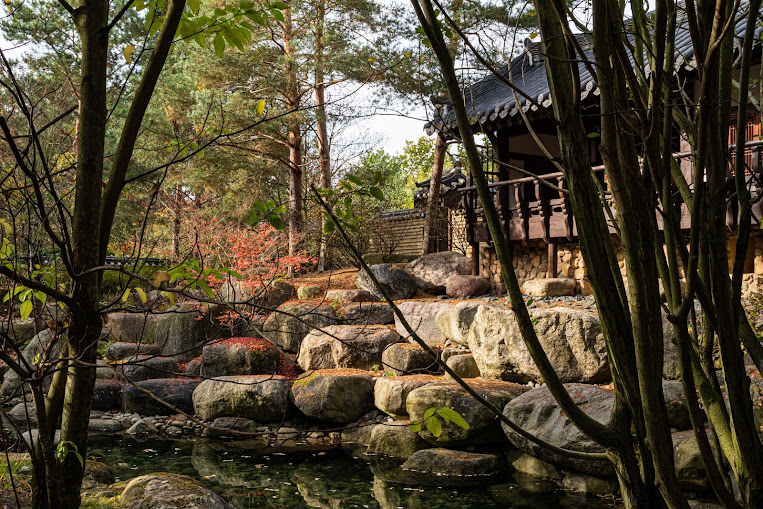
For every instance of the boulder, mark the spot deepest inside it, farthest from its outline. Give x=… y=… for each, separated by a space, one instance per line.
x=407 y=358
x=446 y=467
x=225 y=426
x=106 y=395
x=271 y=295
x=337 y=396
x=147 y=367
x=142 y=428
x=670 y=366
x=395 y=439
x=104 y=371
x=420 y=315
x=572 y=339
x=675 y=400
x=122 y=350
x=526 y=464
x=193 y=368
x=104 y=426
x=549 y=287
x=261 y=398
x=455 y=321
x=463 y=365
x=239 y=356
x=367 y=313
x=484 y=425
x=391 y=392
x=37 y=345
x=132 y=327
x=99 y=472
x=581 y=483
x=397 y=283
x=433 y=270
x=537 y=412
x=288 y=325
x=350 y=296
x=23 y=330
x=355 y=438
x=690 y=469
x=163 y=491
x=345 y=346
x=309 y=292
x=181 y=332
x=463 y=287
x=175 y=391
x=23 y=415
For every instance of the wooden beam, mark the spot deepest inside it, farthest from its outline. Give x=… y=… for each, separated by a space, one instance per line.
x=552 y=270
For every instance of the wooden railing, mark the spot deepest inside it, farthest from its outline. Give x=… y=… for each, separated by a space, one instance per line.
x=531 y=210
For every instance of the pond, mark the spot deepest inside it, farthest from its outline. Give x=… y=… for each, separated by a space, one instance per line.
x=333 y=480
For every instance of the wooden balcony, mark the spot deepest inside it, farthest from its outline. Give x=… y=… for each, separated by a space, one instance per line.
x=531 y=210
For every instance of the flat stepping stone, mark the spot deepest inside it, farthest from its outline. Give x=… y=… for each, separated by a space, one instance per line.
x=446 y=467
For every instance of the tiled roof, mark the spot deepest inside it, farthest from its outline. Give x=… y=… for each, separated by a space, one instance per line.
x=491 y=103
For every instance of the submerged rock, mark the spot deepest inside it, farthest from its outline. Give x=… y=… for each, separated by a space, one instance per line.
x=165 y=491
x=446 y=467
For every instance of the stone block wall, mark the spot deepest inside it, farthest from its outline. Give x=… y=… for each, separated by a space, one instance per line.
x=531 y=262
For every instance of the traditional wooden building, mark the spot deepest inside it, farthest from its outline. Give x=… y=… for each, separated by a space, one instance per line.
x=540 y=221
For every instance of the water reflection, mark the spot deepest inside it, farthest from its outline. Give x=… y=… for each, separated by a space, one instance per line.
x=319 y=479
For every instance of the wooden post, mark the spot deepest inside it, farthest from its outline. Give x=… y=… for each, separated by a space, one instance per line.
x=552 y=268
x=476 y=259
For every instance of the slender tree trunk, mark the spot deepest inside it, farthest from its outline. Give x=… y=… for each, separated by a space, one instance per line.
x=295 y=211
x=177 y=206
x=433 y=200
x=324 y=149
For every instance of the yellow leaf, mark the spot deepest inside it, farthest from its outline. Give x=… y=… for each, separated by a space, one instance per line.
x=128 y=51
x=260 y=107
x=7 y=227
x=126 y=295
x=408 y=54
x=372 y=59
x=160 y=277
x=141 y=294
x=170 y=296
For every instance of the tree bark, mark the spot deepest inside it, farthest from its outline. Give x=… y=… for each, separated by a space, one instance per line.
x=433 y=200
x=324 y=149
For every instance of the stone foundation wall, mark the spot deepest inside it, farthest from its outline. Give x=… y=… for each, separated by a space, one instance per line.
x=531 y=262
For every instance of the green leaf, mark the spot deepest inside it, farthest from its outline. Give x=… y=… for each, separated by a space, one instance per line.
x=278 y=15
x=219 y=44
x=530 y=302
x=279 y=5
x=415 y=426
x=533 y=35
x=355 y=179
x=453 y=416
x=207 y=290
x=141 y=294
x=127 y=52
x=429 y=413
x=26 y=309
x=275 y=221
x=377 y=193
x=194 y=5
x=593 y=135
x=328 y=227
x=434 y=427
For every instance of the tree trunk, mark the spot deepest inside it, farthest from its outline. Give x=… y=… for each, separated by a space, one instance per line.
x=433 y=200
x=295 y=211
x=177 y=207
x=324 y=149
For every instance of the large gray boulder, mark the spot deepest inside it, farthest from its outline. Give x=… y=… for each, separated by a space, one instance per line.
x=463 y=366
x=132 y=327
x=572 y=339
x=271 y=295
x=106 y=395
x=167 y=491
x=290 y=323
x=445 y=467
x=408 y=359
x=420 y=315
x=675 y=401
x=350 y=296
x=37 y=345
x=261 y=398
x=398 y=283
x=147 y=367
x=23 y=330
x=433 y=270
x=239 y=356
x=338 y=396
x=122 y=350
x=181 y=332
x=367 y=313
x=177 y=392
x=484 y=425
x=455 y=321
x=345 y=346
x=537 y=412
x=391 y=392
